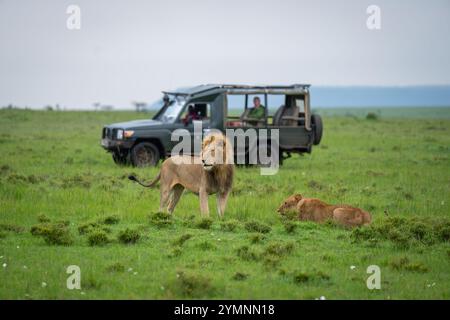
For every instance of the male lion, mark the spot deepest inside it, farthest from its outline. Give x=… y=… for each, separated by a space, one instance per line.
x=316 y=210
x=210 y=173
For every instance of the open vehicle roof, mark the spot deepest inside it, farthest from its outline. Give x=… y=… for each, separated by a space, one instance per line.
x=208 y=89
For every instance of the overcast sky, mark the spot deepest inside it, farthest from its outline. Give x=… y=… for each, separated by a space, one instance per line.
x=131 y=50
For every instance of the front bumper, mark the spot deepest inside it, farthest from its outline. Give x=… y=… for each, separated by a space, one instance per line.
x=111 y=145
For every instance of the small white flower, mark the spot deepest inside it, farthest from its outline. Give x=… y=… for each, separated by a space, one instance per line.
x=442 y=202
x=1 y=257
x=135 y=273
x=130 y=269
x=18 y=247
x=4 y=265
x=25 y=267
x=212 y=233
x=83 y=293
x=352 y=267
x=322 y=298
x=43 y=284
x=162 y=288
x=218 y=239
x=178 y=275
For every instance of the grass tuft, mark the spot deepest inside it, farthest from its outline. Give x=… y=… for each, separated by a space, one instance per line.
x=194 y=285
x=230 y=225
x=161 y=219
x=204 y=223
x=240 y=276
x=116 y=267
x=255 y=226
x=98 y=237
x=182 y=239
x=404 y=263
x=247 y=253
x=129 y=236
x=53 y=233
x=11 y=228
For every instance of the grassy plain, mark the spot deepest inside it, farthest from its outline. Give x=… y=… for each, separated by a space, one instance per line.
x=64 y=202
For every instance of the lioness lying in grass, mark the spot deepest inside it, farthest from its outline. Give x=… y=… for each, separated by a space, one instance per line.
x=316 y=210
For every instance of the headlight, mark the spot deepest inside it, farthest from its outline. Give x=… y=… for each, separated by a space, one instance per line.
x=120 y=134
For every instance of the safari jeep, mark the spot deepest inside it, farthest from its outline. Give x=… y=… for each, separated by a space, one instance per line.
x=222 y=107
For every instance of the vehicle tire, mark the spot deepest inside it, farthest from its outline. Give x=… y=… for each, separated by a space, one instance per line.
x=316 y=120
x=145 y=154
x=119 y=158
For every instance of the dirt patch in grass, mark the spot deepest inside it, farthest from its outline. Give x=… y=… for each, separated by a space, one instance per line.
x=403 y=263
x=256 y=226
x=53 y=233
x=129 y=236
x=405 y=232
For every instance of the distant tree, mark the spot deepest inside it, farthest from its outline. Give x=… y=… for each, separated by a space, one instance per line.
x=140 y=106
x=107 y=107
x=96 y=105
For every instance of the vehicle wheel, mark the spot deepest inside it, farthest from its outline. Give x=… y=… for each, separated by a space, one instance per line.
x=119 y=158
x=145 y=154
x=318 y=128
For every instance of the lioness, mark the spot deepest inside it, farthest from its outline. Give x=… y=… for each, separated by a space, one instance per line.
x=210 y=173
x=316 y=210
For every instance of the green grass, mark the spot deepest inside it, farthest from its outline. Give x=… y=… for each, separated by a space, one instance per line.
x=55 y=177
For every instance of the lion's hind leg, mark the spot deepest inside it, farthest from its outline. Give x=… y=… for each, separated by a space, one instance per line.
x=164 y=198
x=175 y=196
x=348 y=217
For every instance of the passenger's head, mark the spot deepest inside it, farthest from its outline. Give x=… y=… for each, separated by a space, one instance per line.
x=191 y=109
x=256 y=102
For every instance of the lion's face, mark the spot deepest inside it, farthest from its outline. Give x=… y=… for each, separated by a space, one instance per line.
x=289 y=204
x=214 y=151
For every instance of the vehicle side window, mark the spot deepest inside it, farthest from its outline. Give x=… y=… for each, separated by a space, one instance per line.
x=196 y=111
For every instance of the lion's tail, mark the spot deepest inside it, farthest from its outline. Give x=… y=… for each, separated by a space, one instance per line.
x=147 y=185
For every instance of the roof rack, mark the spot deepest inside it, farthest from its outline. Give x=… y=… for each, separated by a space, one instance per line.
x=201 y=89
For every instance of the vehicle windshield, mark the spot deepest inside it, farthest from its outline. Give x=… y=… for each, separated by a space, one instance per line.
x=170 y=111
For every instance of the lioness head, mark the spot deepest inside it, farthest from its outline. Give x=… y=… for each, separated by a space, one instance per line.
x=289 y=204
x=215 y=150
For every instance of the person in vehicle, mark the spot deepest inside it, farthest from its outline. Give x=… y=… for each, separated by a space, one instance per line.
x=258 y=111
x=191 y=115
